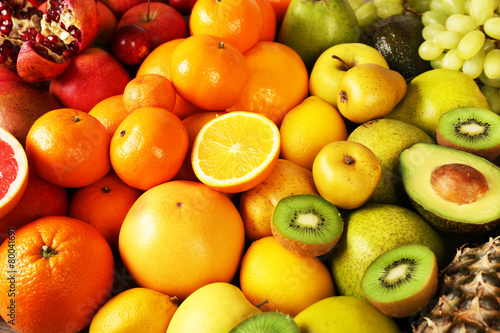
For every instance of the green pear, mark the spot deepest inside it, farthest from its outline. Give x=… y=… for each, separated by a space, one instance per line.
x=372 y=230
x=434 y=92
x=344 y=314
x=312 y=26
x=387 y=138
x=216 y=307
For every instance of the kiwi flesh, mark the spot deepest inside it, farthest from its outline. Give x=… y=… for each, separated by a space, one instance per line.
x=307 y=224
x=472 y=129
x=402 y=281
x=267 y=322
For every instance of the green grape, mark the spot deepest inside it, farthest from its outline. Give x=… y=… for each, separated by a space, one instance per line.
x=492 y=27
x=422 y=6
x=428 y=51
x=492 y=64
x=467 y=6
x=436 y=6
x=438 y=62
x=431 y=30
x=355 y=4
x=447 y=39
x=470 y=44
x=366 y=14
x=488 y=46
x=389 y=9
x=452 y=61
x=481 y=10
x=490 y=82
x=453 y=6
x=492 y=94
x=433 y=17
x=460 y=23
x=473 y=67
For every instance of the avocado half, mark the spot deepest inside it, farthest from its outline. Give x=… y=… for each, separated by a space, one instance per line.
x=455 y=191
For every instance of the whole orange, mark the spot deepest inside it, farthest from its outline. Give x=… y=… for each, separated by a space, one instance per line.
x=104 y=205
x=57 y=272
x=68 y=148
x=148 y=147
x=269 y=24
x=180 y=236
x=277 y=81
x=238 y=22
x=288 y=281
x=208 y=72
x=110 y=112
x=149 y=90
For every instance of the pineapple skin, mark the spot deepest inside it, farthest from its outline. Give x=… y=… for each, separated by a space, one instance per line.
x=469 y=296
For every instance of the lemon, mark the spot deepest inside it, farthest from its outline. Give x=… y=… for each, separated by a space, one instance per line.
x=307 y=128
x=135 y=310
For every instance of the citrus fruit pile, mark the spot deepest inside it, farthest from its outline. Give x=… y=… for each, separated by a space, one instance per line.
x=113 y=217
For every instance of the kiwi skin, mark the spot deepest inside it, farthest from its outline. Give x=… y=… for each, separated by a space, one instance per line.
x=301 y=248
x=414 y=303
x=490 y=153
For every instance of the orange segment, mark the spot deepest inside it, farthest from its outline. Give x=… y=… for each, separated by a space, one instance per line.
x=236 y=151
x=13 y=172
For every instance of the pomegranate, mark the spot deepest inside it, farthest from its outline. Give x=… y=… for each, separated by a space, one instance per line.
x=40 y=46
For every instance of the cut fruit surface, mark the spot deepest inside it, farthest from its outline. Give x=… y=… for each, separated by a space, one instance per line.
x=236 y=151
x=13 y=172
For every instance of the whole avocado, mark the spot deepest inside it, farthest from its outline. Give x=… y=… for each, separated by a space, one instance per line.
x=398 y=38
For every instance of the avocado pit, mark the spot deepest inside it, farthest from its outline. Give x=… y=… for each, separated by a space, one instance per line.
x=458 y=183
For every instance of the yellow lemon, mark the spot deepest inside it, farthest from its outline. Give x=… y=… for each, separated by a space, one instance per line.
x=135 y=310
x=307 y=128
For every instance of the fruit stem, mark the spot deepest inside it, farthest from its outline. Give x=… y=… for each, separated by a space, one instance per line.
x=341 y=60
x=262 y=303
x=48 y=252
x=221 y=45
x=149 y=1
x=349 y=160
x=105 y=189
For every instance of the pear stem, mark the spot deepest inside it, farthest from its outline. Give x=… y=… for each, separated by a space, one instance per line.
x=341 y=60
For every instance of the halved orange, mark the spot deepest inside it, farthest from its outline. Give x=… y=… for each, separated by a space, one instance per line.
x=13 y=172
x=235 y=151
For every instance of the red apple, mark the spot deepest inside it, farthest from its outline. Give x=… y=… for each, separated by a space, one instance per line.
x=6 y=74
x=92 y=76
x=108 y=26
x=183 y=6
x=119 y=7
x=162 y=21
x=131 y=43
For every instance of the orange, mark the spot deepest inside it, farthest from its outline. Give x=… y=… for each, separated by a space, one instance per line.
x=68 y=148
x=158 y=62
x=277 y=81
x=235 y=151
x=61 y=271
x=269 y=24
x=188 y=235
x=280 y=7
x=13 y=172
x=149 y=90
x=148 y=147
x=104 y=204
x=239 y=22
x=39 y=199
x=110 y=112
x=193 y=124
x=290 y=282
x=307 y=128
x=208 y=72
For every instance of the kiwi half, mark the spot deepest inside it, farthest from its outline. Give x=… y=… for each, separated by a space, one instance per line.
x=401 y=281
x=267 y=322
x=472 y=129
x=307 y=224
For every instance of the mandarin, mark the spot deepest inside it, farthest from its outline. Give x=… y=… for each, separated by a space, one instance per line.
x=269 y=24
x=104 y=205
x=68 y=148
x=148 y=147
x=239 y=22
x=208 y=72
x=110 y=112
x=64 y=272
x=188 y=235
x=149 y=90
x=277 y=81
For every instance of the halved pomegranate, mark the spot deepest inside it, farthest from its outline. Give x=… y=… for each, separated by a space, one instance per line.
x=39 y=46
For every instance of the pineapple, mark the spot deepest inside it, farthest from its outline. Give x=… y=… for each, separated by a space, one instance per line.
x=470 y=293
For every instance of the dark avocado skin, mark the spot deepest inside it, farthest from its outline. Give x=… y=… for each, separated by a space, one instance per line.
x=398 y=38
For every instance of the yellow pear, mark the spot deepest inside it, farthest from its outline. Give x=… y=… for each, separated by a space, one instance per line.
x=214 y=308
x=369 y=91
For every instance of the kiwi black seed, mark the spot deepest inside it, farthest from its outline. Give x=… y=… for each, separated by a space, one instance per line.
x=472 y=129
x=401 y=281
x=307 y=224
x=267 y=322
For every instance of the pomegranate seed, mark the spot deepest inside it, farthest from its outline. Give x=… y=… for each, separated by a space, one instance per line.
x=39 y=37
x=5 y=30
x=5 y=13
